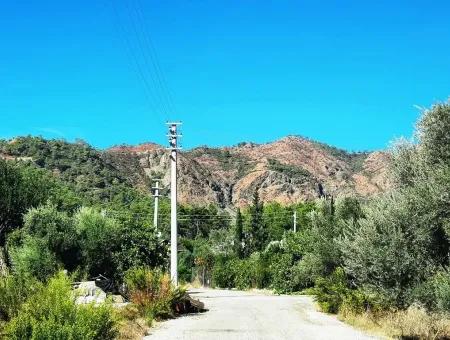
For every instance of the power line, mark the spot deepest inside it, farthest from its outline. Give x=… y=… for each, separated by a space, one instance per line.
x=151 y=93
x=144 y=53
x=155 y=60
x=133 y=60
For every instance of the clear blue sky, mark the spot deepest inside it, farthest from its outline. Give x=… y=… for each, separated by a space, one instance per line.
x=348 y=73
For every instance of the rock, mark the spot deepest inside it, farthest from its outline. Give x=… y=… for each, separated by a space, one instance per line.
x=117 y=299
x=87 y=292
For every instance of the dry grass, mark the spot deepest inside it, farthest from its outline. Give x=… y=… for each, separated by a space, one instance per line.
x=413 y=323
x=196 y=283
x=133 y=329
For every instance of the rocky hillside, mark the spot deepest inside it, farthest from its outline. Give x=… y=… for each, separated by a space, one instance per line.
x=289 y=170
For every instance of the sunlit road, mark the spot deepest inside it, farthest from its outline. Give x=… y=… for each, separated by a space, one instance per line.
x=254 y=316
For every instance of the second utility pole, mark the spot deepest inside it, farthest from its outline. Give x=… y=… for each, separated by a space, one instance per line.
x=295 y=221
x=156 y=196
x=173 y=147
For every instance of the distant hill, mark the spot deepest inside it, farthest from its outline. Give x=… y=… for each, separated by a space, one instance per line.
x=288 y=170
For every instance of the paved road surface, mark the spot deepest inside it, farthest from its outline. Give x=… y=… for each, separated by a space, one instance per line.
x=235 y=315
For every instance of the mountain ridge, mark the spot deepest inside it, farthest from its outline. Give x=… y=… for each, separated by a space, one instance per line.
x=287 y=170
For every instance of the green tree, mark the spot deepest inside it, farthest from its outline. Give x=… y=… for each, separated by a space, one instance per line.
x=57 y=232
x=258 y=235
x=389 y=251
x=34 y=258
x=238 y=234
x=99 y=237
x=21 y=187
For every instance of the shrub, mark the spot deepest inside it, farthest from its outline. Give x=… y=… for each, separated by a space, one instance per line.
x=244 y=274
x=152 y=292
x=389 y=250
x=331 y=291
x=307 y=270
x=223 y=274
x=56 y=230
x=281 y=274
x=14 y=290
x=34 y=258
x=335 y=293
x=51 y=313
x=434 y=294
x=98 y=241
x=442 y=291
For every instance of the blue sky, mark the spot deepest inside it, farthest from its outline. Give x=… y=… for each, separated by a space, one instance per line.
x=348 y=73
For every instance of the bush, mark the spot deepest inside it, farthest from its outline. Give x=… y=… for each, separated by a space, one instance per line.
x=14 y=290
x=152 y=292
x=51 y=313
x=56 y=230
x=223 y=274
x=390 y=250
x=34 y=258
x=334 y=294
x=434 y=294
x=98 y=241
x=331 y=291
x=442 y=291
x=244 y=274
x=281 y=274
x=307 y=270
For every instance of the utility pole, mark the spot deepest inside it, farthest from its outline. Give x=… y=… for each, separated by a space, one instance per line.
x=173 y=147
x=295 y=221
x=156 y=196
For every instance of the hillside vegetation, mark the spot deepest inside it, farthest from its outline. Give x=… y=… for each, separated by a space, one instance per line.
x=380 y=261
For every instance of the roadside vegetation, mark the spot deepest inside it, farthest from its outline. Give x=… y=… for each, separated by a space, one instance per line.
x=65 y=216
x=53 y=233
x=382 y=264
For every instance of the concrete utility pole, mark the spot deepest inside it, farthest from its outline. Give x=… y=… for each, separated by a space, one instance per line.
x=156 y=196
x=173 y=147
x=295 y=221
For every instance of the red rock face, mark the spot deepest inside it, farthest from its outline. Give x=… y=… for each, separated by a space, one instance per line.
x=286 y=171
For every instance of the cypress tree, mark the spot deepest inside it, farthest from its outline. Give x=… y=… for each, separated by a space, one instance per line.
x=238 y=235
x=258 y=234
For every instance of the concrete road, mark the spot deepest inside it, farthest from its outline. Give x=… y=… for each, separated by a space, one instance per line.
x=235 y=315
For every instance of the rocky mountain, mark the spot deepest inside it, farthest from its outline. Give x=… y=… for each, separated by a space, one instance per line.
x=288 y=170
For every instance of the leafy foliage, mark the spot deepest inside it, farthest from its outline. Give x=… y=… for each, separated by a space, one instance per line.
x=23 y=187
x=14 y=290
x=258 y=233
x=34 y=258
x=51 y=313
x=76 y=163
x=239 y=235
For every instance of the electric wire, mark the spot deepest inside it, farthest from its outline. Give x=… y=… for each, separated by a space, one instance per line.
x=143 y=49
x=133 y=60
x=138 y=52
x=155 y=59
